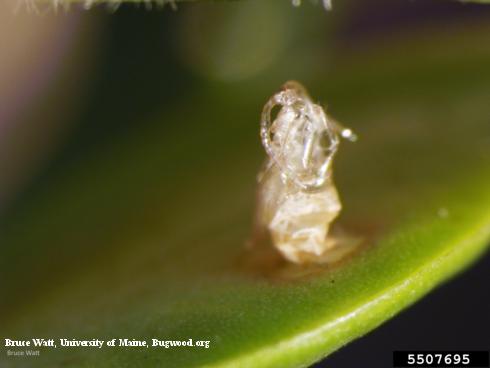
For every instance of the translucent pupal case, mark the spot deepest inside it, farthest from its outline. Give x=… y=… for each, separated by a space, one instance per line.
x=297 y=198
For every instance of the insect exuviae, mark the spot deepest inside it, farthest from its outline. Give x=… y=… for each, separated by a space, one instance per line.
x=297 y=199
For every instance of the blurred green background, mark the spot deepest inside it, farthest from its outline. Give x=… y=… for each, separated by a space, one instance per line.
x=128 y=137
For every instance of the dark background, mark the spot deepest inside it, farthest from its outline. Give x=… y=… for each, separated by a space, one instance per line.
x=453 y=317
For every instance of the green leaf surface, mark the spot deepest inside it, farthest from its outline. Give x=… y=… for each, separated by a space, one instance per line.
x=145 y=237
